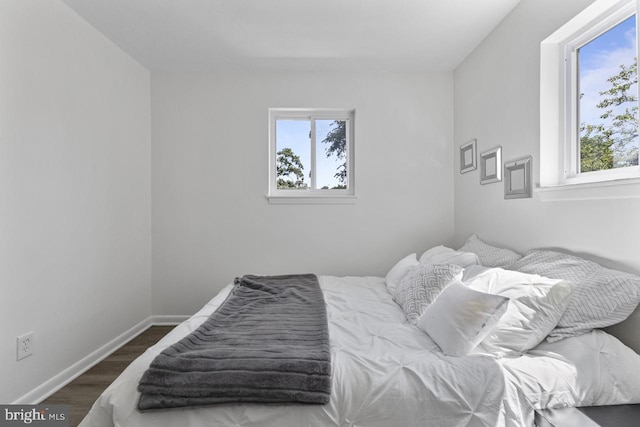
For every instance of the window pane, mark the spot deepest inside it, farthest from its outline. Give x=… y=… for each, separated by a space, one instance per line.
x=608 y=103
x=293 y=154
x=331 y=154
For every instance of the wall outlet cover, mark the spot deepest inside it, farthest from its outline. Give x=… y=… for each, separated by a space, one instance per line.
x=25 y=345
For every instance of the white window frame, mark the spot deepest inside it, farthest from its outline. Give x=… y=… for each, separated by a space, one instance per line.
x=559 y=140
x=311 y=195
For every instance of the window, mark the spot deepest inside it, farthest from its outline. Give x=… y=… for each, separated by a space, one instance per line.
x=589 y=97
x=311 y=156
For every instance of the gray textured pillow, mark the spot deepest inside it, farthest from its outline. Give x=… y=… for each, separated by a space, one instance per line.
x=422 y=285
x=601 y=297
x=490 y=256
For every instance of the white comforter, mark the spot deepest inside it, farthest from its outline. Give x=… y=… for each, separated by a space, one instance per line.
x=385 y=373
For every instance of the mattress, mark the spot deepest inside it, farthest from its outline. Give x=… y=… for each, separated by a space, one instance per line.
x=385 y=372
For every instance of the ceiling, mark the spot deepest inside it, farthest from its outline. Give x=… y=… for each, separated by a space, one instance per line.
x=299 y=35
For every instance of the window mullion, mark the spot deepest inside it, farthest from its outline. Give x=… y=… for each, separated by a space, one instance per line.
x=571 y=131
x=313 y=153
x=638 y=63
x=348 y=153
x=574 y=154
x=273 y=166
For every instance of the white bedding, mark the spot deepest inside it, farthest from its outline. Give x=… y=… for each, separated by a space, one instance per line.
x=593 y=369
x=385 y=373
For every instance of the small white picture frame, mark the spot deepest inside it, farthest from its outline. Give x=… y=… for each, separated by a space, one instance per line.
x=517 y=178
x=490 y=166
x=468 y=156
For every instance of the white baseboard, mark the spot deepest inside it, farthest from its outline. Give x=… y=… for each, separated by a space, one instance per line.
x=167 y=320
x=60 y=380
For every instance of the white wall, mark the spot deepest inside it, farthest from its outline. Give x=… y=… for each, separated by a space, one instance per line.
x=75 y=206
x=211 y=221
x=497 y=102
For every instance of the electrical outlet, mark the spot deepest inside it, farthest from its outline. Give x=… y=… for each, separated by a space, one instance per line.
x=25 y=345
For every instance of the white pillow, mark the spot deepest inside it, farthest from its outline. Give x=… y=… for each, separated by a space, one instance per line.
x=444 y=255
x=422 y=285
x=592 y=369
x=536 y=305
x=490 y=256
x=398 y=271
x=460 y=318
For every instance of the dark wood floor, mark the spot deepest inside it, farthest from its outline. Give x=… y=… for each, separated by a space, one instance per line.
x=84 y=390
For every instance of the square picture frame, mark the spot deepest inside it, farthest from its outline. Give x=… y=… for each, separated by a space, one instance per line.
x=517 y=178
x=490 y=165
x=468 y=156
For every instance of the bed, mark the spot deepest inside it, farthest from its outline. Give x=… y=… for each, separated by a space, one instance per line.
x=405 y=351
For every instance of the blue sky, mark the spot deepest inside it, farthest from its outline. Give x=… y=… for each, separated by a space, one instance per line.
x=294 y=134
x=619 y=39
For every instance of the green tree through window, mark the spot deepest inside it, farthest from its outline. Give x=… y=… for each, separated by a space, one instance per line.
x=337 y=146
x=600 y=144
x=290 y=171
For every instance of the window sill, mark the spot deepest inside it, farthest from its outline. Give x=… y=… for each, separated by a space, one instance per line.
x=312 y=200
x=616 y=189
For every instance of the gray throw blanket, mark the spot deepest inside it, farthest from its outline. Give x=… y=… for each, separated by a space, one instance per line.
x=268 y=342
